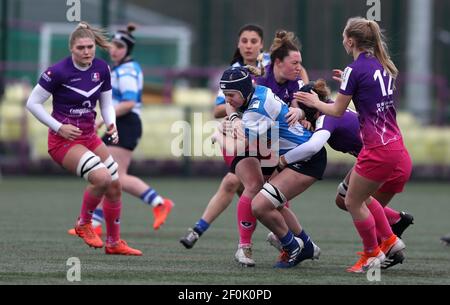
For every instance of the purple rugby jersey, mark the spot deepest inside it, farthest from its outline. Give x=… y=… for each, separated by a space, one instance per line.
x=75 y=92
x=284 y=91
x=345 y=136
x=371 y=89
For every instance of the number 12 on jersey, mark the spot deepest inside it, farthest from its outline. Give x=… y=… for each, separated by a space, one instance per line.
x=377 y=75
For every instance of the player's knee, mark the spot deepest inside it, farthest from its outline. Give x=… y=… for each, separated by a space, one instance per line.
x=88 y=164
x=254 y=186
x=114 y=190
x=101 y=181
x=274 y=195
x=231 y=183
x=350 y=205
x=257 y=210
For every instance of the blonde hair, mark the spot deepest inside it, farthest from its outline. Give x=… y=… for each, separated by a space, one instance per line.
x=369 y=37
x=85 y=30
x=259 y=70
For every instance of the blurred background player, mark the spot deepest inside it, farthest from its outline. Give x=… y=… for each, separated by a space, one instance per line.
x=369 y=82
x=127 y=83
x=76 y=83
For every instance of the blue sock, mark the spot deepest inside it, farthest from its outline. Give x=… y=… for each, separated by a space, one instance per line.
x=97 y=218
x=288 y=242
x=151 y=197
x=201 y=226
x=306 y=240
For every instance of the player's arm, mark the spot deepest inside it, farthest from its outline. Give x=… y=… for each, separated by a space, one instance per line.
x=349 y=85
x=109 y=115
x=35 y=104
x=307 y=149
x=124 y=107
x=336 y=109
x=230 y=143
x=220 y=111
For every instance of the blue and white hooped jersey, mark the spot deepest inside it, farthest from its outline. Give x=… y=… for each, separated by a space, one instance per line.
x=127 y=81
x=220 y=99
x=266 y=114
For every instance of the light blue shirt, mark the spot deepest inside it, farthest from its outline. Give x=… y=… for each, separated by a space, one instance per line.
x=127 y=81
x=265 y=117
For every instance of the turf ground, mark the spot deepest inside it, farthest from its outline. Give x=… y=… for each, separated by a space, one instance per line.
x=36 y=212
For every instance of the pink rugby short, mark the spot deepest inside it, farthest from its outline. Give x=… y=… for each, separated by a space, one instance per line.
x=390 y=164
x=227 y=158
x=58 y=146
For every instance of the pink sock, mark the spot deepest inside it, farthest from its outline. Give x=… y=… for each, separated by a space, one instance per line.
x=367 y=231
x=381 y=221
x=246 y=220
x=88 y=206
x=392 y=215
x=111 y=212
x=379 y=239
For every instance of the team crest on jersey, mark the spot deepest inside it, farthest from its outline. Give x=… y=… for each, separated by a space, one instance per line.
x=95 y=77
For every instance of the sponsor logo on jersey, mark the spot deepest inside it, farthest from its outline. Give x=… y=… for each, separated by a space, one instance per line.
x=319 y=122
x=80 y=111
x=255 y=104
x=345 y=77
x=46 y=76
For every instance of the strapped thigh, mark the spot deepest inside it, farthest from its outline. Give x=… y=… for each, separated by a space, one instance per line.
x=274 y=195
x=88 y=163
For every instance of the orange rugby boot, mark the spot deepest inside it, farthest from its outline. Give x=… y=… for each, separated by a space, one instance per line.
x=121 y=248
x=367 y=261
x=161 y=212
x=98 y=230
x=87 y=233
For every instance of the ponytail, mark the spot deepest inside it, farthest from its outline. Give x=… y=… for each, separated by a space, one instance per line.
x=282 y=44
x=381 y=50
x=237 y=57
x=85 y=30
x=368 y=37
